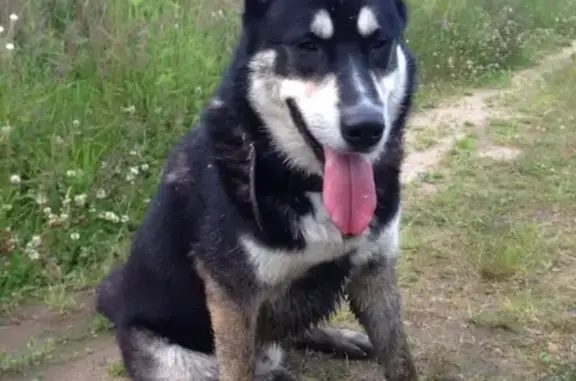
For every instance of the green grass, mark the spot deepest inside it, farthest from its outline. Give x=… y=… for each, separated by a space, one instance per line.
x=489 y=259
x=494 y=245
x=117 y=370
x=95 y=93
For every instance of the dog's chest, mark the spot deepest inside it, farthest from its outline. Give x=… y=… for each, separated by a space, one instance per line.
x=324 y=243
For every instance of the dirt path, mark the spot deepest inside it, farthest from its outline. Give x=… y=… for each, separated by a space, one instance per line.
x=450 y=121
x=66 y=348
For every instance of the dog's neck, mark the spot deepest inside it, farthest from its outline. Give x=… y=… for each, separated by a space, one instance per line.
x=255 y=175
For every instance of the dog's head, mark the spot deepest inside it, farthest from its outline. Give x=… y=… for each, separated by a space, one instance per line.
x=326 y=74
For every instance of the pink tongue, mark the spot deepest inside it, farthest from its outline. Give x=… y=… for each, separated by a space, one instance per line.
x=349 y=192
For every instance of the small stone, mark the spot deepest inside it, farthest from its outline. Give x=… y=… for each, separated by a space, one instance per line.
x=552 y=348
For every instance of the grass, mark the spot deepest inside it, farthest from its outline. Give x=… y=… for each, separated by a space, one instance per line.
x=494 y=245
x=94 y=94
x=489 y=256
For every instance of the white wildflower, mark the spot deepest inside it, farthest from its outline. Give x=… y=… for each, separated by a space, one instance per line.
x=144 y=167
x=6 y=130
x=110 y=216
x=47 y=211
x=35 y=241
x=133 y=153
x=31 y=247
x=134 y=170
x=80 y=199
x=9 y=46
x=7 y=207
x=75 y=236
x=71 y=173
x=1 y=29
x=53 y=220
x=124 y=218
x=75 y=122
x=15 y=179
x=64 y=216
x=14 y=17
x=41 y=199
x=100 y=193
x=32 y=254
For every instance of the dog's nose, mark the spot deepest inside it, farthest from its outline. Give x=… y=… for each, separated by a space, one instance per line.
x=362 y=126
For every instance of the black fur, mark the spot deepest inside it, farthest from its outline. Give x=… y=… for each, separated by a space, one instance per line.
x=203 y=205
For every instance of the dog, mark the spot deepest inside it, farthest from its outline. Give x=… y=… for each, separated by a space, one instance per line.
x=282 y=202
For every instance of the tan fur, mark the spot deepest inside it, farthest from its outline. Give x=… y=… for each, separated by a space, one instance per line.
x=234 y=326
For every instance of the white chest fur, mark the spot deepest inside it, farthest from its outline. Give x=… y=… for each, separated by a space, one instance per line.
x=324 y=244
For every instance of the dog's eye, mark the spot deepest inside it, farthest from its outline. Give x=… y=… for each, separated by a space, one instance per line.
x=308 y=45
x=379 y=43
x=381 y=52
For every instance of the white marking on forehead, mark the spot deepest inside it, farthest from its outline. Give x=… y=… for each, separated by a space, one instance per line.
x=322 y=25
x=367 y=22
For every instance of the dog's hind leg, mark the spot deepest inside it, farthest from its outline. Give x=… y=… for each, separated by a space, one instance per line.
x=340 y=342
x=107 y=303
x=149 y=357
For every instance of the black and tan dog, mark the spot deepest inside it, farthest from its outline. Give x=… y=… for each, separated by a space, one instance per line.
x=283 y=200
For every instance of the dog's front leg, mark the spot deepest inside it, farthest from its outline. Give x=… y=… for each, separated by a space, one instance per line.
x=376 y=301
x=234 y=327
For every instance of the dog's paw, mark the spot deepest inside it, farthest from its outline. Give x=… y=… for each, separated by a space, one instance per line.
x=340 y=342
x=351 y=344
x=281 y=374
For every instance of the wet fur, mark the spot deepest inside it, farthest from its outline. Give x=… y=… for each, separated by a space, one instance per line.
x=208 y=294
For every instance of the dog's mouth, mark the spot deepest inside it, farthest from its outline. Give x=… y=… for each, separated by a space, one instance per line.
x=304 y=131
x=348 y=190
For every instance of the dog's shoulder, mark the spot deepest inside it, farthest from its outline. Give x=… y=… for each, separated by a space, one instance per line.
x=179 y=203
x=151 y=288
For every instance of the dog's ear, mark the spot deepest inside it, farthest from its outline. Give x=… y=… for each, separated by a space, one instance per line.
x=402 y=12
x=255 y=9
